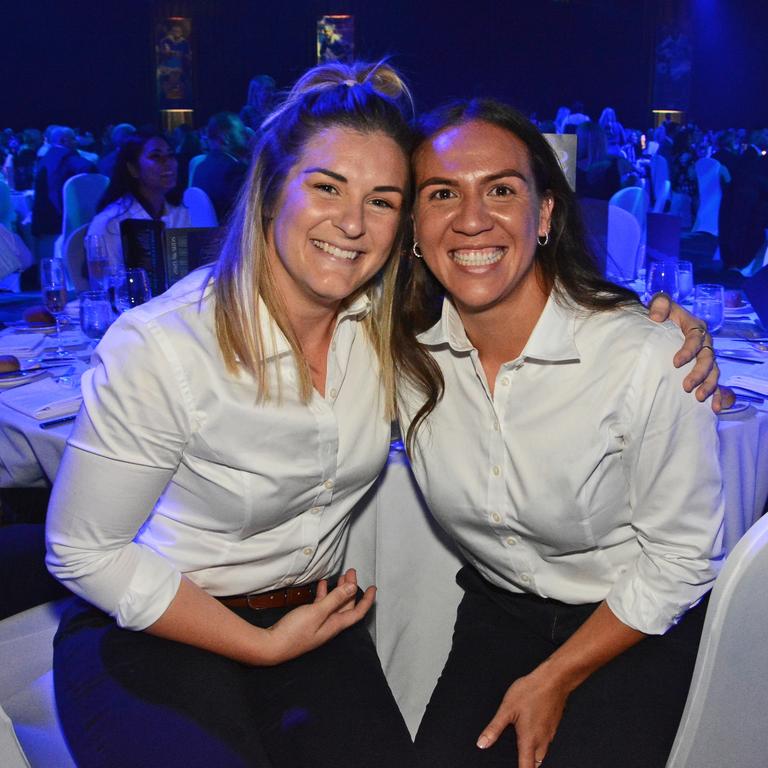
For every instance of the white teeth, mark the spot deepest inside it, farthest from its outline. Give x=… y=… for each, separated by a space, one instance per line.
x=477 y=258
x=339 y=253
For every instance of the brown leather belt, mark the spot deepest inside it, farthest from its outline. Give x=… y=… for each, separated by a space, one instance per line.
x=288 y=597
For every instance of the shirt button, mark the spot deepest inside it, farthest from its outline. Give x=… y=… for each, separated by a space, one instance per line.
x=328 y=484
x=525 y=578
x=505 y=380
x=308 y=551
x=511 y=540
x=315 y=511
x=496 y=517
x=496 y=469
x=333 y=393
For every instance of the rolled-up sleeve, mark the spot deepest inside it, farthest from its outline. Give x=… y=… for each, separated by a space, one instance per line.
x=128 y=440
x=671 y=458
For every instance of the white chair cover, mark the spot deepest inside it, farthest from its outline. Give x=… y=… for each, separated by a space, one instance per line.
x=193 y=163
x=26 y=690
x=652 y=148
x=710 y=195
x=623 y=243
x=201 y=210
x=74 y=257
x=7 y=213
x=723 y=722
x=634 y=200
x=81 y=194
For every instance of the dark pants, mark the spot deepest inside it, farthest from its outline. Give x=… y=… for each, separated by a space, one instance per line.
x=625 y=714
x=129 y=699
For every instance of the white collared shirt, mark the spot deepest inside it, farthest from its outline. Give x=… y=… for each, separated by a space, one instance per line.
x=174 y=467
x=589 y=474
x=107 y=224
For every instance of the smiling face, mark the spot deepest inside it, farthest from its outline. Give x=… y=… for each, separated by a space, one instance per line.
x=156 y=168
x=337 y=216
x=478 y=214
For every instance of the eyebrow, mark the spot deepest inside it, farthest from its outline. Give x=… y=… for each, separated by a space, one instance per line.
x=344 y=180
x=440 y=181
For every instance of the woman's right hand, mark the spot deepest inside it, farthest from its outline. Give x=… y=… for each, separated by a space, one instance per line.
x=309 y=626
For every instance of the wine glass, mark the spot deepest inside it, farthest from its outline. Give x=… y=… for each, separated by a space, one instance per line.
x=708 y=305
x=53 y=287
x=132 y=289
x=664 y=276
x=98 y=262
x=685 y=273
x=96 y=313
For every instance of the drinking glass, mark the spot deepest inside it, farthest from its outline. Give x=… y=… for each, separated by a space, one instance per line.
x=685 y=273
x=663 y=276
x=96 y=313
x=132 y=289
x=53 y=288
x=708 y=305
x=98 y=262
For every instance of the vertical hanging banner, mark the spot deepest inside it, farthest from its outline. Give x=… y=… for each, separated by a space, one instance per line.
x=173 y=68
x=335 y=38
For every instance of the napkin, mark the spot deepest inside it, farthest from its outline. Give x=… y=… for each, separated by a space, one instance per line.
x=44 y=399
x=20 y=344
x=756 y=380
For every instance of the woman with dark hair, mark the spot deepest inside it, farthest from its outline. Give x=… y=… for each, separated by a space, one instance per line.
x=553 y=442
x=598 y=173
x=143 y=185
x=228 y=429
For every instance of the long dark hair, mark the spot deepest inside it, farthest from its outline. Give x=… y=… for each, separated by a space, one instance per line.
x=565 y=265
x=122 y=184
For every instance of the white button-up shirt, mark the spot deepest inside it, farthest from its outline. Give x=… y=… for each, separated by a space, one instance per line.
x=174 y=466
x=589 y=474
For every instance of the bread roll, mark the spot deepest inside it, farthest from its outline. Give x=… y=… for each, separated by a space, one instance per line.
x=9 y=363
x=38 y=315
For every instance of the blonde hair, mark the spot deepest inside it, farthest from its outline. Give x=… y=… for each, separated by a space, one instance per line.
x=363 y=97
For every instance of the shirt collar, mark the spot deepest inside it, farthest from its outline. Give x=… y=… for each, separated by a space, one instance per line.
x=552 y=339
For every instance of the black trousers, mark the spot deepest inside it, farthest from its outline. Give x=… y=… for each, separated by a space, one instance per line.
x=129 y=699
x=626 y=714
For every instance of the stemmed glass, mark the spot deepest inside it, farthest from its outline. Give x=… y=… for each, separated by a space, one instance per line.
x=95 y=313
x=685 y=273
x=708 y=305
x=664 y=276
x=132 y=289
x=53 y=285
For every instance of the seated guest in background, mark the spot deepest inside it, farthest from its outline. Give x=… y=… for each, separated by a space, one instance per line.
x=117 y=137
x=261 y=95
x=59 y=163
x=187 y=144
x=575 y=118
x=228 y=429
x=140 y=188
x=556 y=445
x=614 y=131
x=222 y=173
x=598 y=174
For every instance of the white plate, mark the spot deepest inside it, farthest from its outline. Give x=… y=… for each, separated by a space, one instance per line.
x=745 y=309
x=22 y=377
x=737 y=407
x=23 y=327
x=747 y=353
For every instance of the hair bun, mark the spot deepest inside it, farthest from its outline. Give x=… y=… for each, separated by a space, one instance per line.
x=379 y=76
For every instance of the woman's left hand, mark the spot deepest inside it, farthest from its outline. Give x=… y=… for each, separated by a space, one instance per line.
x=698 y=344
x=534 y=706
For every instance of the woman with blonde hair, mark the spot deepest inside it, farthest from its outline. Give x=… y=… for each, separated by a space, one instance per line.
x=227 y=431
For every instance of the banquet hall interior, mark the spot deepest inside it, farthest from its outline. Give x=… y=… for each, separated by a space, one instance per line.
x=657 y=111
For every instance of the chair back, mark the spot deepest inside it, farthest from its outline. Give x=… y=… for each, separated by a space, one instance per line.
x=723 y=721
x=74 y=258
x=652 y=147
x=710 y=195
x=201 y=210
x=193 y=163
x=81 y=195
x=634 y=200
x=661 y=195
x=6 y=205
x=623 y=243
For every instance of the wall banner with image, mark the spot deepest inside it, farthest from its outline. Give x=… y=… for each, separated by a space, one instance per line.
x=335 y=38
x=173 y=63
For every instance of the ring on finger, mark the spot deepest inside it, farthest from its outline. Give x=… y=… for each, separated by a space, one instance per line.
x=700 y=328
x=709 y=347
